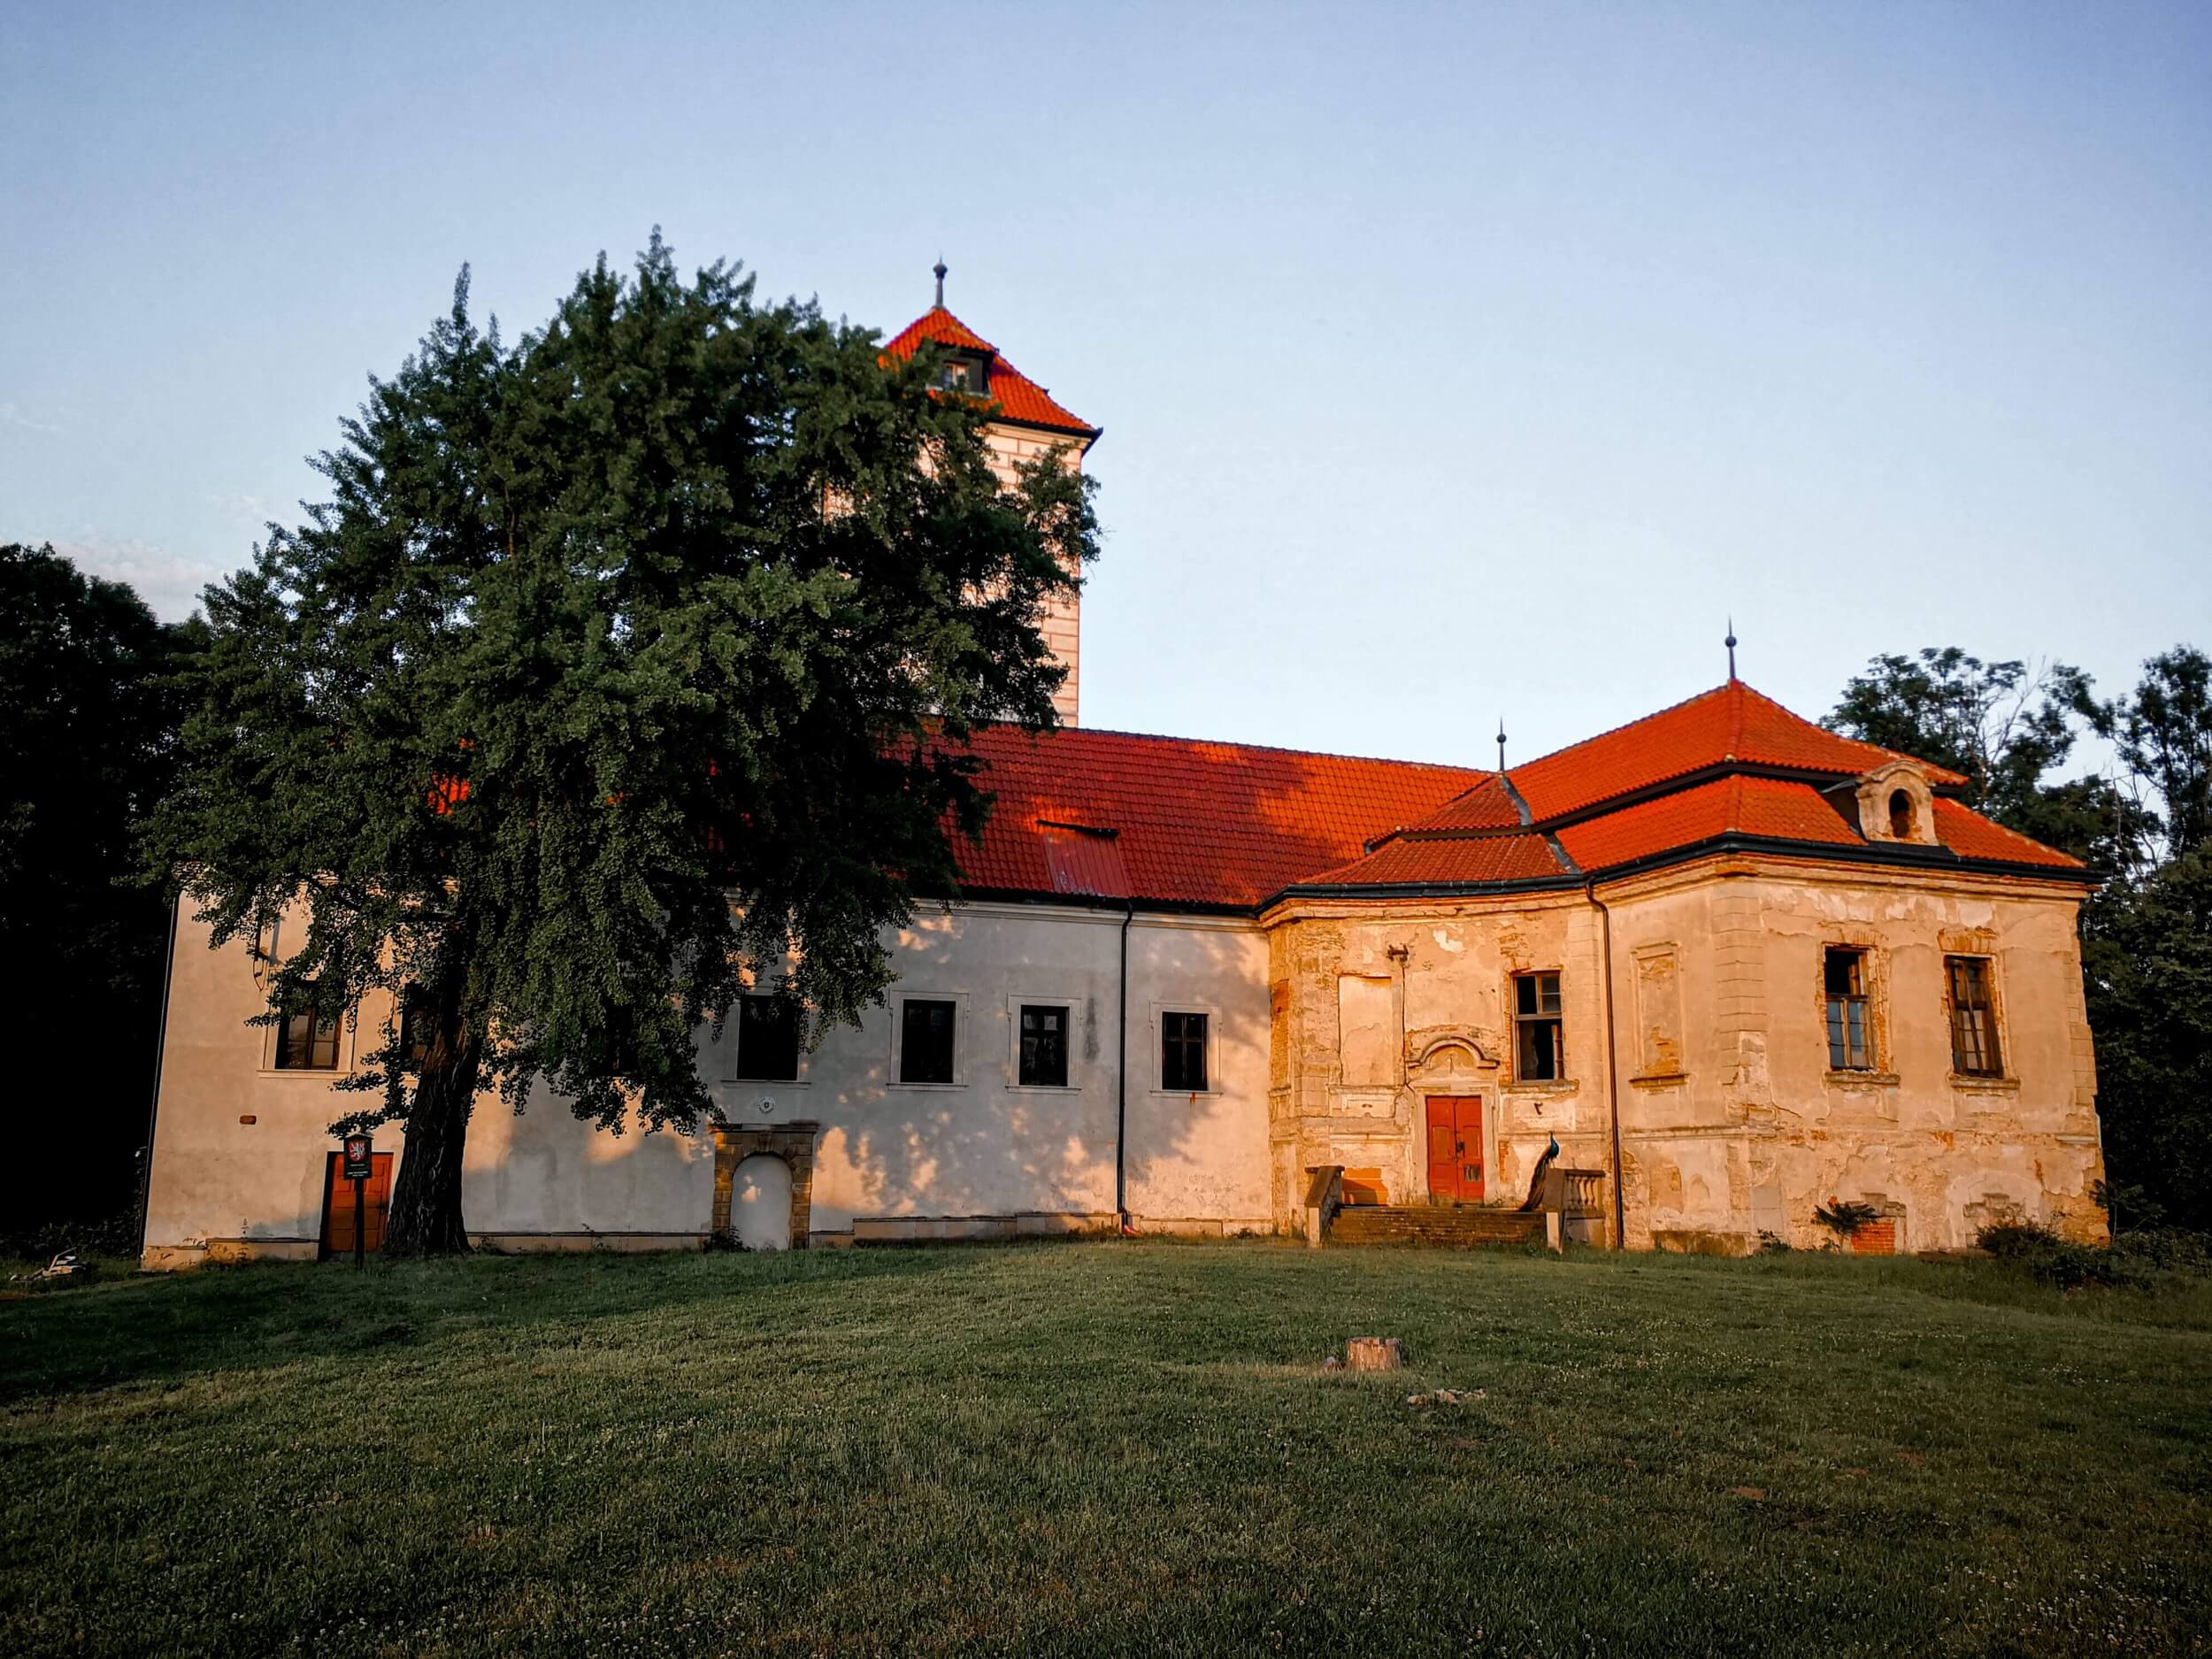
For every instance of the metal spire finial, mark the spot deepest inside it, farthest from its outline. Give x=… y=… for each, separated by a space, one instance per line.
x=940 y=269
x=1731 y=642
x=1501 y=742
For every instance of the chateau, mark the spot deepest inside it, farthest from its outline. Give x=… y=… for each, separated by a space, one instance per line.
x=1734 y=966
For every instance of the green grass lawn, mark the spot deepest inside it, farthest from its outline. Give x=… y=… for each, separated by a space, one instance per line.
x=1111 y=1448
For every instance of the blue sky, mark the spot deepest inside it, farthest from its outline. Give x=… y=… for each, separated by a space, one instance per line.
x=1452 y=361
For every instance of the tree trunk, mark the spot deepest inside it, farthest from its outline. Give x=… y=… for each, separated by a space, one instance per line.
x=425 y=1213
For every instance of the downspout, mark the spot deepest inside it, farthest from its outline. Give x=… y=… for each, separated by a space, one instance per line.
x=153 y=1106
x=1612 y=1069
x=1121 y=1081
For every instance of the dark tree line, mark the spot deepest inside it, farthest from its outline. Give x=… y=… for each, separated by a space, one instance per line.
x=90 y=704
x=2143 y=824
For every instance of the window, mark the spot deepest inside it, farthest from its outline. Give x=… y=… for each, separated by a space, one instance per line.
x=1973 y=1019
x=307 y=1041
x=1845 y=976
x=1044 y=1055
x=1183 y=1053
x=417 y=1021
x=1901 y=815
x=767 y=1038
x=1536 y=1045
x=925 y=1030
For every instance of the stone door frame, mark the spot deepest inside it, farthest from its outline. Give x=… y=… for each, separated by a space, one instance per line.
x=793 y=1143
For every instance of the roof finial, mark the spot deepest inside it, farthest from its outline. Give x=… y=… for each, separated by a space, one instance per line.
x=940 y=269
x=1731 y=643
x=1501 y=742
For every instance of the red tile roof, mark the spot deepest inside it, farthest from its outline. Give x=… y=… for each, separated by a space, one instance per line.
x=1766 y=807
x=1019 y=397
x=1729 y=723
x=1970 y=835
x=1082 y=813
x=1227 y=824
x=1447 y=860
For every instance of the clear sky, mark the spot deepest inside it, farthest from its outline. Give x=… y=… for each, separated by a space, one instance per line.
x=1452 y=361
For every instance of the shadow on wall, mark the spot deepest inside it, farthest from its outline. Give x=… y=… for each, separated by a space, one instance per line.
x=990 y=1150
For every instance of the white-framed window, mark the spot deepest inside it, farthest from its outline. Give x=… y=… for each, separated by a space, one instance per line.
x=1183 y=1049
x=926 y=1047
x=1041 y=1052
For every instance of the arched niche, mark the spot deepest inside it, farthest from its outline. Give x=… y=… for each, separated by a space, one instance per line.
x=737 y=1150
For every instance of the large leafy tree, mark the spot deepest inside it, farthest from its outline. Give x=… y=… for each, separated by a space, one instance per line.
x=621 y=665
x=2144 y=829
x=85 y=677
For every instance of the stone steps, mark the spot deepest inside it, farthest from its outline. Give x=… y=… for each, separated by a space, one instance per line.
x=1451 y=1227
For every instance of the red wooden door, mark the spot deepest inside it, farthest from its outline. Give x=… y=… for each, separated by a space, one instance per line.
x=339 y=1219
x=1456 y=1170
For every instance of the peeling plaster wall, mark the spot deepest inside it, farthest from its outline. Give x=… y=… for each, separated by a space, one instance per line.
x=982 y=1147
x=1732 y=1122
x=1449 y=967
x=1756 y=1131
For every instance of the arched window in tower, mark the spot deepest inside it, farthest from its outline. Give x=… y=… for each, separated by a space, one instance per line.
x=1901 y=815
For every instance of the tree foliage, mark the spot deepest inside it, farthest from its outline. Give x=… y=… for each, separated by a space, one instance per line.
x=621 y=666
x=85 y=677
x=2146 y=830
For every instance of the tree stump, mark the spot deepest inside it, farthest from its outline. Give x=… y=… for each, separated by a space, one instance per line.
x=1373 y=1353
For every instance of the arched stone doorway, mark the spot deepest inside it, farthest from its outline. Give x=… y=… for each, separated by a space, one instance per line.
x=746 y=1189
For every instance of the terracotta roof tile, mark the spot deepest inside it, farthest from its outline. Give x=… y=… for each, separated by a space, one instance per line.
x=1745 y=806
x=1446 y=861
x=1019 y=397
x=1194 y=822
x=1970 y=835
x=1731 y=722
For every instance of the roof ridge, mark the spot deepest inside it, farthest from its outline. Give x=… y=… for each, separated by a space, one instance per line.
x=1610 y=731
x=1265 y=749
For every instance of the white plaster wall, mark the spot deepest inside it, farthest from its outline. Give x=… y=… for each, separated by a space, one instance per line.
x=982 y=1147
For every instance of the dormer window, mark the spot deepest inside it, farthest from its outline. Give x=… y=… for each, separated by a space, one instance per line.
x=1895 y=804
x=967 y=373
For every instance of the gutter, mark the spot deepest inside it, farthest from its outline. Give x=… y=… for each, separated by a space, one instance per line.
x=1121 y=1081
x=1612 y=1069
x=161 y=1046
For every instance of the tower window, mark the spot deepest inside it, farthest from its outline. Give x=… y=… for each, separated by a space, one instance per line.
x=1844 y=973
x=1539 y=1055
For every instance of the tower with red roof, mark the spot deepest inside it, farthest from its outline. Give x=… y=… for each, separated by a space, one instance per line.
x=1025 y=424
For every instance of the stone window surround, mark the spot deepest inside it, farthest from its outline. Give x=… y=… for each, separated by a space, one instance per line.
x=1016 y=1000
x=793 y=1143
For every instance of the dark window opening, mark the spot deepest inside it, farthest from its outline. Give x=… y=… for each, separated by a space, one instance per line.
x=1901 y=815
x=1973 y=1019
x=1539 y=1055
x=307 y=1041
x=925 y=1041
x=417 y=1022
x=767 y=1038
x=1844 y=974
x=1044 y=1057
x=1183 y=1053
